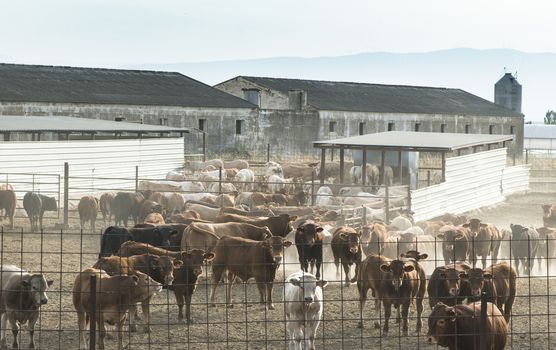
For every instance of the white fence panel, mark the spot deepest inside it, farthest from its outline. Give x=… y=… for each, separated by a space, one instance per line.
x=95 y=165
x=472 y=181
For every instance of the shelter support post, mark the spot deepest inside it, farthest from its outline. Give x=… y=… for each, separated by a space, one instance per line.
x=443 y=166
x=204 y=147
x=382 y=165
x=342 y=164
x=66 y=193
x=364 y=167
x=322 y=163
x=400 y=168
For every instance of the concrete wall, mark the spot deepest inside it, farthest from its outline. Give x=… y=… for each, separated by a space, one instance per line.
x=220 y=122
x=270 y=99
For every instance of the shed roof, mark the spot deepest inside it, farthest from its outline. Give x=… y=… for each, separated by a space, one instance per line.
x=72 y=124
x=539 y=131
x=414 y=141
x=31 y=83
x=362 y=97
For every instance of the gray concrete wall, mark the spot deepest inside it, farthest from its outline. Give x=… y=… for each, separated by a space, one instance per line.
x=270 y=99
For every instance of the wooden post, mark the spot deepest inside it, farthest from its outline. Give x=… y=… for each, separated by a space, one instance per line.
x=93 y=312
x=444 y=166
x=137 y=178
x=322 y=164
x=268 y=152
x=204 y=147
x=386 y=204
x=526 y=156
x=312 y=188
x=400 y=167
x=408 y=197
x=342 y=164
x=220 y=180
x=364 y=167
x=66 y=193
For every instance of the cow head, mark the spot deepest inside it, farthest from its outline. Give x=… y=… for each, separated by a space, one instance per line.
x=165 y=233
x=546 y=209
x=407 y=241
x=49 y=203
x=415 y=255
x=36 y=285
x=397 y=270
x=452 y=281
x=519 y=232
x=165 y=265
x=474 y=225
x=310 y=233
x=442 y=321
x=195 y=259
x=352 y=238
x=146 y=286
x=275 y=246
x=310 y=287
x=475 y=277
x=449 y=235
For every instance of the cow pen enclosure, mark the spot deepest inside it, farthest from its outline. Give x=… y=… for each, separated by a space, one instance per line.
x=61 y=250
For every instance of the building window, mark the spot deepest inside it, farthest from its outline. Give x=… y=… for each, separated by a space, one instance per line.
x=417 y=126
x=491 y=129
x=332 y=126
x=442 y=127
x=239 y=127
x=467 y=128
x=253 y=96
x=391 y=126
x=163 y=121
x=512 y=129
x=203 y=124
x=120 y=119
x=361 y=128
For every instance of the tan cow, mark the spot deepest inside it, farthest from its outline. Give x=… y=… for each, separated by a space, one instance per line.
x=204 y=235
x=88 y=209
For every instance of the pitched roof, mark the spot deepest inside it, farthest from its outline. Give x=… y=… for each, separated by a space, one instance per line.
x=30 y=83
x=345 y=96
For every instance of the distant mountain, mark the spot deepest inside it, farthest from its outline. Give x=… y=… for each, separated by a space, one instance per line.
x=475 y=71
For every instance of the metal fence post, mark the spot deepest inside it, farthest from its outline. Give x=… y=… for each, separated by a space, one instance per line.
x=204 y=147
x=137 y=178
x=526 y=156
x=483 y=322
x=220 y=180
x=268 y=152
x=93 y=313
x=386 y=203
x=66 y=193
x=313 y=188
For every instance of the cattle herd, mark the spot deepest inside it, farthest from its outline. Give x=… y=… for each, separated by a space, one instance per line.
x=239 y=238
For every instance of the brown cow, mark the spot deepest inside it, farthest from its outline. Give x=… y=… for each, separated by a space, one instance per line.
x=309 y=237
x=105 y=203
x=88 y=209
x=158 y=197
x=549 y=215
x=346 y=247
x=446 y=285
x=453 y=219
x=278 y=225
x=8 y=201
x=148 y=207
x=247 y=259
x=458 y=327
x=394 y=282
x=499 y=282
x=485 y=240
x=115 y=295
x=130 y=248
x=374 y=237
x=154 y=218
x=547 y=247
x=456 y=245
x=204 y=236
x=238 y=211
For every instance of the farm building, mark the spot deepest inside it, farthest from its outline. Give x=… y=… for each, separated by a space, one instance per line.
x=317 y=110
x=149 y=97
x=539 y=137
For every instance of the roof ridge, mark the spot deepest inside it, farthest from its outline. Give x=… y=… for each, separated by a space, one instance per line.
x=91 y=68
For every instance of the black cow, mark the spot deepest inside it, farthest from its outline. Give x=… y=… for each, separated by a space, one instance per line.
x=525 y=244
x=308 y=241
x=127 y=204
x=113 y=237
x=35 y=205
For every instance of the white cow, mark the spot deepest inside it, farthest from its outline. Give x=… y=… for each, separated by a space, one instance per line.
x=303 y=304
x=277 y=184
x=273 y=168
x=245 y=179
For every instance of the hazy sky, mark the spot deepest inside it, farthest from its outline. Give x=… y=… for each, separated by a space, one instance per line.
x=113 y=33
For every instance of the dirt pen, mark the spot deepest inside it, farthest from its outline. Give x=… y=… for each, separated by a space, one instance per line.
x=61 y=255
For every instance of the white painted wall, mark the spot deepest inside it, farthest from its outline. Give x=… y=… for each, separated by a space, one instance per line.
x=472 y=181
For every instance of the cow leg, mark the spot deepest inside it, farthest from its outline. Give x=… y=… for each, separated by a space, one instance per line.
x=296 y=335
x=262 y=293
x=32 y=320
x=3 y=326
x=419 y=313
x=484 y=261
x=312 y=265
x=362 y=300
x=93 y=225
x=337 y=263
x=133 y=318
x=179 y=300
x=311 y=333
x=188 y=308
x=217 y=272
x=145 y=307
x=347 y=273
x=82 y=325
x=304 y=265
x=516 y=263
x=15 y=328
x=387 y=314
x=229 y=285
x=405 y=312
x=318 y=263
x=269 y=296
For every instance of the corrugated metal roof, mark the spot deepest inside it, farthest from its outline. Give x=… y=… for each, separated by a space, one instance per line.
x=72 y=124
x=539 y=131
x=30 y=83
x=360 y=97
x=414 y=141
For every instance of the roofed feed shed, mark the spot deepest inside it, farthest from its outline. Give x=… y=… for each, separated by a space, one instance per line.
x=468 y=182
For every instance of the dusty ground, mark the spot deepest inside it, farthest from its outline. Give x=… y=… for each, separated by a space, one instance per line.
x=61 y=256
